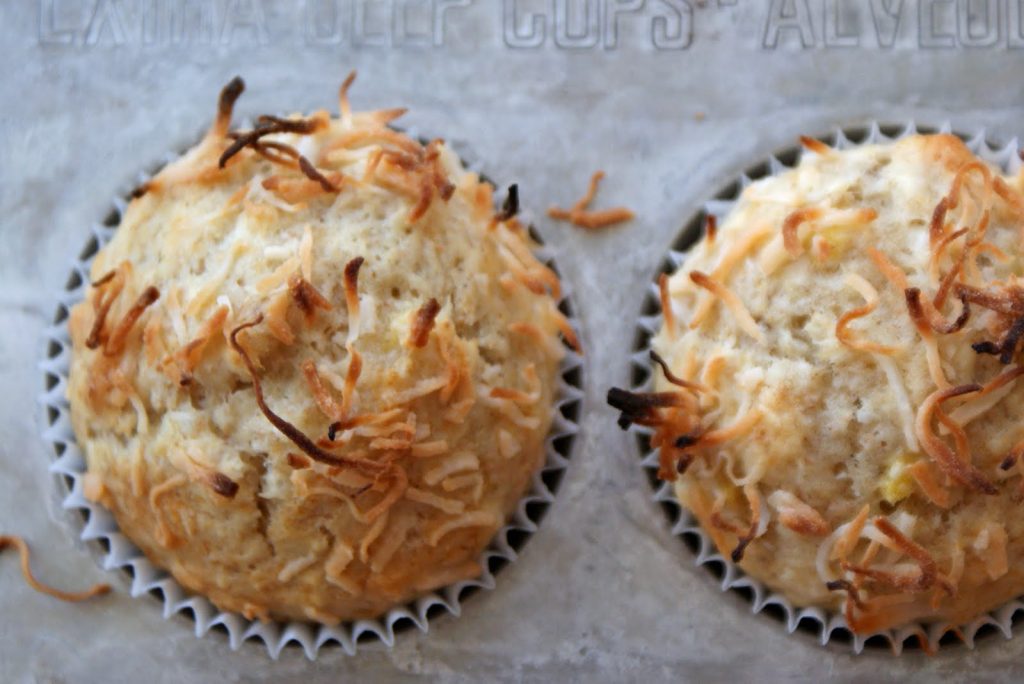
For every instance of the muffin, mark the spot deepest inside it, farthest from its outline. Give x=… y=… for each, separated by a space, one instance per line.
x=316 y=367
x=837 y=400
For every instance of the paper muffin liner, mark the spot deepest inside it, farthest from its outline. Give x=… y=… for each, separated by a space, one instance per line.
x=827 y=626
x=100 y=531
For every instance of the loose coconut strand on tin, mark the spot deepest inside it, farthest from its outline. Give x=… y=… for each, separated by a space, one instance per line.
x=580 y=215
x=11 y=540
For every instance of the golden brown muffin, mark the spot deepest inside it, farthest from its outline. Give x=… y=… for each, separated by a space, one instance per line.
x=839 y=404
x=316 y=369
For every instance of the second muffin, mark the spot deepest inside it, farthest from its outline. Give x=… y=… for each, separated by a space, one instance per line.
x=838 y=402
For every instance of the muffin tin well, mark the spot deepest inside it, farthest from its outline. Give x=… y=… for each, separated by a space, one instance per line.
x=114 y=551
x=826 y=627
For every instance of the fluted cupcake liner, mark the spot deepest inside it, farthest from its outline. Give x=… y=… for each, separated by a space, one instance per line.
x=826 y=625
x=100 y=531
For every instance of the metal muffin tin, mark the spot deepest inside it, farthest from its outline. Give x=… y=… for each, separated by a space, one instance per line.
x=673 y=98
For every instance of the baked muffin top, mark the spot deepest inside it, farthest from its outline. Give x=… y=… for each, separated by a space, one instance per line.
x=839 y=401
x=316 y=367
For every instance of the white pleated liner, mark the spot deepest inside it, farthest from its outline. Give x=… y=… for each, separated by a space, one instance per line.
x=149 y=579
x=826 y=623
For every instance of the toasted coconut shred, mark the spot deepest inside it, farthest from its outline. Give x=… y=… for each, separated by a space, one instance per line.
x=10 y=540
x=423 y=323
x=942 y=333
x=591 y=219
x=731 y=301
x=370 y=436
